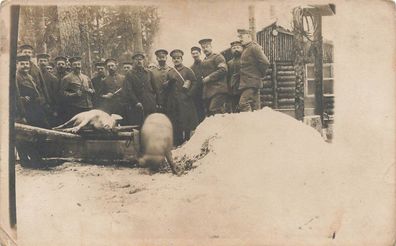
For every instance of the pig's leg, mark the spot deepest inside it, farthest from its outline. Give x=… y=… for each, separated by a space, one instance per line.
x=65 y=124
x=169 y=159
x=78 y=127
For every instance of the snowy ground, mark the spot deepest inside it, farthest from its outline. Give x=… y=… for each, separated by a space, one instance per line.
x=258 y=178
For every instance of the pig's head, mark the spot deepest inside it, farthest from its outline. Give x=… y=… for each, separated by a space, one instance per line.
x=110 y=122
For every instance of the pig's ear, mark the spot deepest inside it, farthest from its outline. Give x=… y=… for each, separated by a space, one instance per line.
x=116 y=117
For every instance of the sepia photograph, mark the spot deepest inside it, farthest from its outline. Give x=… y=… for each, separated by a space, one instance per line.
x=184 y=122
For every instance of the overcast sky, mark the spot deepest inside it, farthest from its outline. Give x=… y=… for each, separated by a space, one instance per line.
x=183 y=23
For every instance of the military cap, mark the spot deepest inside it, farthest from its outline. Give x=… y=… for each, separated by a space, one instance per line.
x=74 y=59
x=60 y=58
x=23 y=58
x=51 y=64
x=235 y=43
x=205 y=41
x=110 y=60
x=244 y=31
x=195 y=48
x=127 y=63
x=138 y=53
x=99 y=64
x=161 y=51
x=26 y=47
x=43 y=56
x=176 y=53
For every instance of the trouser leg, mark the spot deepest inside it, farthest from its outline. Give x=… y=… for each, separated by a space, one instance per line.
x=249 y=100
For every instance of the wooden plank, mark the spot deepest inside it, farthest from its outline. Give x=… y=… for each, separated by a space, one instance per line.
x=274 y=82
x=285 y=89
x=287 y=84
x=287 y=78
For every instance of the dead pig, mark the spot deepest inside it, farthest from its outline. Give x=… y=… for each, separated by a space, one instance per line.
x=156 y=139
x=96 y=119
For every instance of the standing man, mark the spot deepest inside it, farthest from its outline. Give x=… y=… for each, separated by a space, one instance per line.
x=52 y=85
x=77 y=91
x=180 y=107
x=111 y=90
x=127 y=66
x=159 y=75
x=31 y=99
x=140 y=91
x=214 y=72
x=197 y=95
x=97 y=82
x=233 y=77
x=254 y=63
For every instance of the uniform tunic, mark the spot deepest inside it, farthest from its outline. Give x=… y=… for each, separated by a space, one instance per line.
x=214 y=66
x=253 y=66
x=139 y=87
x=159 y=77
x=110 y=84
x=180 y=107
x=197 y=97
x=72 y=102
x=52 y=84
x=97 y=82
x=34 y=111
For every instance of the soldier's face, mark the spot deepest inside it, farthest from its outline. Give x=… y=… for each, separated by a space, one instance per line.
x=50 y=69
x=207 y=49
x=196 y=55
x=23 y=66
x=27 y=52
x=177 y=60
x=42 y=62
x=139 y=61
x=127 y=67
x=61 y=65
x=100 y=70
x=236 y=50
x=76 y=66
x=161 y=59
x=244 y=38
x=112 y=67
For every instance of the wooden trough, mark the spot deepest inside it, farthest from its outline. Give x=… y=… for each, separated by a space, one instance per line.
x=122 y=146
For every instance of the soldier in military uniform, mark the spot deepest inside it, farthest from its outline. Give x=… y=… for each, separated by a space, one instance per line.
x=52 y=85
x=197 y=95
x=140 y=91
x=214 y=72
x=77 y=91
x=159 y=74
x=111 y=90
x=254 y=63
x=180 y=108
x=30 y=110
x=50 y=68
x=233 y=77
x=97 y=82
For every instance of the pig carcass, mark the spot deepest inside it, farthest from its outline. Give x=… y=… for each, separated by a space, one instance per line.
x=156 y=142
x=96 y=119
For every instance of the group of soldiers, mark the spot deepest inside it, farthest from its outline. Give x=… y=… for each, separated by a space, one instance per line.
x=50 y=94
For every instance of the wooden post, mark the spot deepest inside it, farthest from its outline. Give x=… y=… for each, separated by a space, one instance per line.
x=11 y=158
x=275 y=85
x=318 y=42
x=252 y=22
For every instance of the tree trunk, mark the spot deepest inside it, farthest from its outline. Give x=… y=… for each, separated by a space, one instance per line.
x=69 y=30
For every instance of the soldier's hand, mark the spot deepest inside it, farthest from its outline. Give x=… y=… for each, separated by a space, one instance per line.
x=206 y=79
x=110 y=95
x=79 y=93
x=26 y=99
x=92 y=91
x=139 y=105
